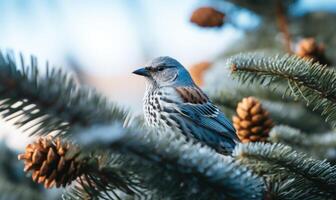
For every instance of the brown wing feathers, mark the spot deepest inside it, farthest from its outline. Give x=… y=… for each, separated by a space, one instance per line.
x=192 y=95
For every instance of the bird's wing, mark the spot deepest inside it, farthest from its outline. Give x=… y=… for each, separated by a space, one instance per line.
x=195 y=105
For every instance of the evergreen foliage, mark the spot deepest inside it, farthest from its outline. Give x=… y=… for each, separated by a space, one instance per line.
x=311 y=178
x=283 y=109
x=52 y=102
x=187 y=170
x=318 y=145
x=309 y=82
x=121 y=158
x=129 y=164
x=136 y=159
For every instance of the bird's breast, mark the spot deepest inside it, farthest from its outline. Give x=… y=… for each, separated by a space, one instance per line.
x=151 y=106
x=156 y=108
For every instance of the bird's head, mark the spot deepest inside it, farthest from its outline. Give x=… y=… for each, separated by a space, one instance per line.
x=165 y=71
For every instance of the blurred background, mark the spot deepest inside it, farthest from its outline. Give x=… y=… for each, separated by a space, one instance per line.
x=107 y=39
x=103 y=41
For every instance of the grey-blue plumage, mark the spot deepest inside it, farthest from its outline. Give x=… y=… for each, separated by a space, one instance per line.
x=173 y=101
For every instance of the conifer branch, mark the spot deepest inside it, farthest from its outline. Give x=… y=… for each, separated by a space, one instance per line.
x=56 y=162
x=107 y=176
x=53 y=102
x=168 y=166
x=292 y=113
x=287 y=190
x=220 y=83
x=284 y=109
x=311 y=82
x=319 y=145
x=277 y=162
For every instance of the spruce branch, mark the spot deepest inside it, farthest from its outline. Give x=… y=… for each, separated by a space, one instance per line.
x=287 y=190
x=226 y=93
x=58 y=162
x=220 y=83
x=53 y=102
x=290 y=113
x=311 y=82
x=107 y=176
x=277 y=162
x=231 y=89
x=320 y=146
x=209 y=174
x=171 y=167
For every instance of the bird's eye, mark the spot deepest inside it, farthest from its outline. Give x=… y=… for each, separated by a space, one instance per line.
x=160 y=68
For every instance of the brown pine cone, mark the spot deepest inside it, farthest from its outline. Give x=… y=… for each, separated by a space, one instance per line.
x=53 y=162
x=310 y=49
x=252 y=122
x=207 y=17
x=197 y=72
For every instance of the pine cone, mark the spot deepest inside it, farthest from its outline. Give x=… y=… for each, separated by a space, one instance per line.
x=252 y=121
x=53 y=162
x=197 y=72
x=310 y=49
x=207 y=17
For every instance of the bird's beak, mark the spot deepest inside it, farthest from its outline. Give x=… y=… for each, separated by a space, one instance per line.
x=142 y=72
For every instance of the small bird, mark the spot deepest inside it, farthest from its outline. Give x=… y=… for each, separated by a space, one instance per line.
x=173 y=101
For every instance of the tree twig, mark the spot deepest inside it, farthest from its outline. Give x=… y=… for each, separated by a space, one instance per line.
x=283 y=25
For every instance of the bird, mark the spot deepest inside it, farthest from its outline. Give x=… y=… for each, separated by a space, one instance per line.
x=173 y=101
